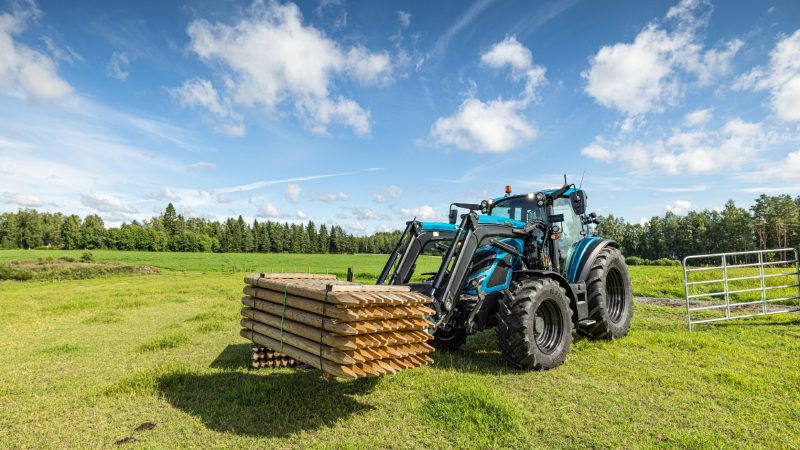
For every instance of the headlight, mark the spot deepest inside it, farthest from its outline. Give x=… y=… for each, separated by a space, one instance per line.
x=485 y=207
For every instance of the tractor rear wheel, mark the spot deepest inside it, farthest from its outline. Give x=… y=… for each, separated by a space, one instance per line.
x=534 y=324
x=609 y=295
x=449 y=341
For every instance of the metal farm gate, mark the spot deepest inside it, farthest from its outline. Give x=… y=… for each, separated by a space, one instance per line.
x=752 y=273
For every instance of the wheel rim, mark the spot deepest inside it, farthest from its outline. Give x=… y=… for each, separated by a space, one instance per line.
x=615 y=295
x=548 y=326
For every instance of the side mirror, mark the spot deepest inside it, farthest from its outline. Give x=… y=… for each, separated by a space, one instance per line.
x=453 y=216
x=578 y=201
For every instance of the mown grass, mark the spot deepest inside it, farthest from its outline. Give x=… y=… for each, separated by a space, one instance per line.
x=164 y=350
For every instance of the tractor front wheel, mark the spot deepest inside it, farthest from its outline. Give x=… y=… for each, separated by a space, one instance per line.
x=610 y=297
x=534 y=324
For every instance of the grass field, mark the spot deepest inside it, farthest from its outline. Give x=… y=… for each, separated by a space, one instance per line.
x=156 y=361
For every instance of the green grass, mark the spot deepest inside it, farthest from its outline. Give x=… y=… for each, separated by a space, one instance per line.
x=364 y=266
x=87 y=362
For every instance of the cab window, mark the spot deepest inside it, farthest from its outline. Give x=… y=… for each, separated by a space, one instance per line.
x=570 y=229
x=523 y=209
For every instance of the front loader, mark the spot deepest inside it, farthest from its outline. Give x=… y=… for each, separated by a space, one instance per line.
x=527 y=265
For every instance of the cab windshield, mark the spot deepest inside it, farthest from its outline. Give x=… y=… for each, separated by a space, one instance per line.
x=519 y=208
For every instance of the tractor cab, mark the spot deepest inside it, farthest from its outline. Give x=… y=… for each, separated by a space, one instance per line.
x=567 y=220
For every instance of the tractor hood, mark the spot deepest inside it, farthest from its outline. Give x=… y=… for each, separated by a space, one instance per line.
x=438 y=226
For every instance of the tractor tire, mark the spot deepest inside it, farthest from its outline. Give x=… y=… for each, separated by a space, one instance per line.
x=534 y=324
x=449 y=341
x=609 y=296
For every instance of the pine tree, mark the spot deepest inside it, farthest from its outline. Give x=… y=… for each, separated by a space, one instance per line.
x=323 y=240
x=170 y=220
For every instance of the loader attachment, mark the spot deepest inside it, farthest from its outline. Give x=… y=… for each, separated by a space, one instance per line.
x=417 y=239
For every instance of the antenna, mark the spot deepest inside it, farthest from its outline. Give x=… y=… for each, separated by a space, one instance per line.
x=581 y=183
x=565 y=179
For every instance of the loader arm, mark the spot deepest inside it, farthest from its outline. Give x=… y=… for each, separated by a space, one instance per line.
x=452 y=274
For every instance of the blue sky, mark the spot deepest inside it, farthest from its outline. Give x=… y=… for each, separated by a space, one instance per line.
x=368 y=113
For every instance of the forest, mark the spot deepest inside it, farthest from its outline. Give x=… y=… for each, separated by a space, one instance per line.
x=772 y=222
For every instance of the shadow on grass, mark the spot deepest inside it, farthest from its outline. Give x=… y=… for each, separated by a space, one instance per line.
x=277 y=404
x=233 y=357
x=479 y=355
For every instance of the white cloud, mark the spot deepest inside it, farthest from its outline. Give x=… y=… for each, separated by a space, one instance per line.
x=678 y=207
x=787 y=169
x=334 y=197
x=356 y=228
x=731 y=147
x=270 y=58
x=693 y=188
x=27 y=201
x=264 y=183
x=66 y=54
x=394 y=191
x=293 y=192
x=649 y=73
x=300 y=215
x=598 y=152
x=404 y=18
x=497 y=125
x=117 y=66
x=21 y=67
x=463 y=22
x=424 y=212
x=105 y=203
x=166 y=194
x=698 y=117
x=494 y=127
x=269 y=210
x=391 y=192
x=508 y=52
x=781 y=77
x=200 y=165
x=367 y=214
x=198 y=93
x=223 y=199
x=368 y=67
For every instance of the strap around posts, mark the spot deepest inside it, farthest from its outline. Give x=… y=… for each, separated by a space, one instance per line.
x=283 y=313
x=321 y=324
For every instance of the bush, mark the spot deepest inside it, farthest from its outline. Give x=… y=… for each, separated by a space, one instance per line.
x=635 y=261
x=8 y=272
x=665 y=262
x=87 y=256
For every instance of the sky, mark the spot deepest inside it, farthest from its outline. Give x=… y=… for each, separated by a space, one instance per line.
x=366 y=114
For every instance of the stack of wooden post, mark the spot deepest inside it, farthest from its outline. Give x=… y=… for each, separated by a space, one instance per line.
x=345 y=329
x=265 y=357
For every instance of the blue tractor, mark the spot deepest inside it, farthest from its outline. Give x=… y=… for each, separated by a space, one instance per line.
x=527 y=265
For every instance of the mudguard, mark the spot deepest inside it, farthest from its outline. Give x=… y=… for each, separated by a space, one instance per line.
x=557 y=277
x=582 y=255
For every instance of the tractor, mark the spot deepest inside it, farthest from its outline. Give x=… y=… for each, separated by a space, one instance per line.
x=528 y=265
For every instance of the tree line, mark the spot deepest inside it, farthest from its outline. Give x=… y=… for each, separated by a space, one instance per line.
x=171 y=231
x=772 y=222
